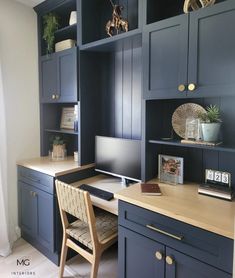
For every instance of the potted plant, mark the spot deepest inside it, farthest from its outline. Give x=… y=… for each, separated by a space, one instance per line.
x=51 y=24
x=58 y=148
x=211 y=123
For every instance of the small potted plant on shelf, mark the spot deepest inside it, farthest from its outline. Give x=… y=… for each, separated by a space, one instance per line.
x=211 y=123
x=51 y=24
x=58 y=148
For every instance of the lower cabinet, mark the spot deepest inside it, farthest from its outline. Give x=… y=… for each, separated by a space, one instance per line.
x=37 y=214
x=193 y=253
x=39 y=217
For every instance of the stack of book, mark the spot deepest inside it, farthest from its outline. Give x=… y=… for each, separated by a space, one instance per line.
x=219 y=191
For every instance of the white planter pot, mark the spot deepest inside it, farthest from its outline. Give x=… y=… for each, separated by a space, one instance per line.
x=210 y=131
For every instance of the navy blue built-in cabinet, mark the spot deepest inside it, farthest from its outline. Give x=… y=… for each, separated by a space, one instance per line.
x=59 y=77
x=39 y=217
x=183 y=251
x=190 y=55
x=128 y=86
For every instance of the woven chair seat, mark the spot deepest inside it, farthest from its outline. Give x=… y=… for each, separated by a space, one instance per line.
x=106 y=227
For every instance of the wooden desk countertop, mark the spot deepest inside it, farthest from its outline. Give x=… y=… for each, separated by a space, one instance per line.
x=183 y=203
x=53 y=168
x=110 y=184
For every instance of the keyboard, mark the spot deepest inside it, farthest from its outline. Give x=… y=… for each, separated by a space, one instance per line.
x=97 y=192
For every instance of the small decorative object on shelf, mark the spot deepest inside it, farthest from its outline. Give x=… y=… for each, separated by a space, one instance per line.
x=211 y=123
x=65 y=44
x=67 y=118
x=75 y=125
x=193 y=129
x=217 y=184
x=51 y=24
x=75 y=156
x=197 y=4
x=73 y=18
x=170 y=169
x=180 y=116
x=58 y=148
x=117 y=23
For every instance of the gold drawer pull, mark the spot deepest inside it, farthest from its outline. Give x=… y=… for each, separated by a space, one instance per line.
x=164 y=232
x=53 y=96
x=169 y=260
x=159 y=255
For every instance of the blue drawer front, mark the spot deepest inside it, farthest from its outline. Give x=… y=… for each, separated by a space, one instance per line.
x=200 y=244
x=37 y=179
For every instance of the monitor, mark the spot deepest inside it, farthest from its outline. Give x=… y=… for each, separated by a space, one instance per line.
x=118 y=157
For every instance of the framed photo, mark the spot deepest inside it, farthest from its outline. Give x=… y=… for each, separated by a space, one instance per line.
x=67 y=118
x=170 y=169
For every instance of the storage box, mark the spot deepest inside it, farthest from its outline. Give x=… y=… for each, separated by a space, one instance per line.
x=66 y=44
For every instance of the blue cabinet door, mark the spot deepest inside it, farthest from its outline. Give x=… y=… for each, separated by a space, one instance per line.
x=165 y=48
x=137 y=256
x=27 y=210
x=45 y=219
x=48 y=78
x=211 y=50
x=58 y=79
x=179 y=265
x=67 y=75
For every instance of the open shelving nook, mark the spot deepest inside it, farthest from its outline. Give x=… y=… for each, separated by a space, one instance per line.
x=110 y=84
x=163 y=9
x=99 y=13
x=50 y=125
x=197 y=158
x=65 y=31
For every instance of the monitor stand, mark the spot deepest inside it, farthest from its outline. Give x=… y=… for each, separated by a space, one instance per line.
x=124 y=182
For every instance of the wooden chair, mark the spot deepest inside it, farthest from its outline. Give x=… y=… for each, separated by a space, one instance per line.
x=96 y=231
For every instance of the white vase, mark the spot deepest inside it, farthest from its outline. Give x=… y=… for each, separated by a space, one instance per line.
x=73 y=18
x=210 y=131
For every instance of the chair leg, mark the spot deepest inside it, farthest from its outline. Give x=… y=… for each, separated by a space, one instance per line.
x=95 y=265
x=63 y=256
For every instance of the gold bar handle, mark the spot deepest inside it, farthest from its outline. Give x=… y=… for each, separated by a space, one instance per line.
x=164 y=232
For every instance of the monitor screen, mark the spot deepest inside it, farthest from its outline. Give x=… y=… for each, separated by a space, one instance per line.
x=118 y=157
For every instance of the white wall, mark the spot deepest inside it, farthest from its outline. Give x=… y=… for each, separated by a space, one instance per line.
x=18 y=50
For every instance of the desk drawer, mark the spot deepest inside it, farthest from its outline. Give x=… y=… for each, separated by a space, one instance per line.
x=195 y=242
x=37 y=179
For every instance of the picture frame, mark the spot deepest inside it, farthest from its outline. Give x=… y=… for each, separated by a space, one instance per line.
x=67 y=118
x=170 y=169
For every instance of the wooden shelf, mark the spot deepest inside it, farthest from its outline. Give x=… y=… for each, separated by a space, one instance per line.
x=177 y=143
x=64 y=131
x=114 y=43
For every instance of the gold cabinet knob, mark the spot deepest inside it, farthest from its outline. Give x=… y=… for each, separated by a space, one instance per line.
x=181 y=88
x=159 y=255
x=53 y=96
x=191 y=87
x=57 y=96
x=169 y=260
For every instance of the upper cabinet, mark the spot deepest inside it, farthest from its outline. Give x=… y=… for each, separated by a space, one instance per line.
x=59 y=76
x=165 y=48
x=187 y=55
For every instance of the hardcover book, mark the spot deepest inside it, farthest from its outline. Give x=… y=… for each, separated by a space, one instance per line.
x=150 y=189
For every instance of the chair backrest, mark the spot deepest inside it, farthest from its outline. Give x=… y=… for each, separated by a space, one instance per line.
x=73 y=200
